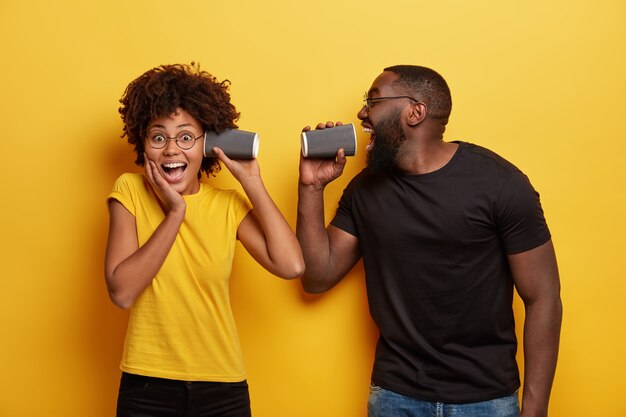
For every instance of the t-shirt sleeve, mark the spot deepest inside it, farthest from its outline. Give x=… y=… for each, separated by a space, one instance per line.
x=344 y=218
x=519 y=217
x=122 y=192
x=240 y=207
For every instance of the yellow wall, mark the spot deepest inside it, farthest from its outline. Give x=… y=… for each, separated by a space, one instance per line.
x=540 y=82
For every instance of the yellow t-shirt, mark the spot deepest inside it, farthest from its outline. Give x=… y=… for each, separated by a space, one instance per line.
x=181 y=327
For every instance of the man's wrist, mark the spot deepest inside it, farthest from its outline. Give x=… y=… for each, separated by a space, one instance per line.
x=313 y=188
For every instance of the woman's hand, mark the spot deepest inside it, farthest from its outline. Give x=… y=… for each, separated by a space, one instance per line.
x=242 y=169
x=170 y=199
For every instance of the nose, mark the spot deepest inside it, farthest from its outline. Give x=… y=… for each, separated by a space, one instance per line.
x=362 y=114
x=171 y=148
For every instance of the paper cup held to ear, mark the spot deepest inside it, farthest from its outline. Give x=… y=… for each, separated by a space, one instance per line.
x=324 y=143
x=236 y=144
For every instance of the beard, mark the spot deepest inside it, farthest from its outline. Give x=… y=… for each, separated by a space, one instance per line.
x=388 y=140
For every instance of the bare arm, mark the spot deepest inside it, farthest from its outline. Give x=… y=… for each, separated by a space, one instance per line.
x=264 y=232
x=329 y=253
x=536 y=277
x=129 y=269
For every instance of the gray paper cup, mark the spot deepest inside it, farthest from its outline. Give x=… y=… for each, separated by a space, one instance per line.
x=324 y=143
x=236 y=144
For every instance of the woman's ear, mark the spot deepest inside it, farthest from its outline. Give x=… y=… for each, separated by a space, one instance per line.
x=417 y=113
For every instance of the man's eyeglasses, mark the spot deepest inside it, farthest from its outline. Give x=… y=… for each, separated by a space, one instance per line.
x=370 y=102
x=184 y=139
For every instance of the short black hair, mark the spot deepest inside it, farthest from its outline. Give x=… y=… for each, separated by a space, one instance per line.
x=425 y=85
x=161 y=90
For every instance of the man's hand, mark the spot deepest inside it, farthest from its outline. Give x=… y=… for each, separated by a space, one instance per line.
x=316 y=173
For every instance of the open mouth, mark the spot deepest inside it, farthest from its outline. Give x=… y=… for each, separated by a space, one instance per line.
x=173 y=171
x=370 y=145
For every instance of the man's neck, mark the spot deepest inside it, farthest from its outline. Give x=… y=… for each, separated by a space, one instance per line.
x=424 y=156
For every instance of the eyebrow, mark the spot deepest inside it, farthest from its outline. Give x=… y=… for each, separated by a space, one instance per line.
x=178 y=127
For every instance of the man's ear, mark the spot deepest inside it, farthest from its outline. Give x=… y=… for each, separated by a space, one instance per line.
x=417 y=113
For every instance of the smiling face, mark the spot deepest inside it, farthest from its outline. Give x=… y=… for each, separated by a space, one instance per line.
x=177 y=166
x=382 y=120
x=380 y=110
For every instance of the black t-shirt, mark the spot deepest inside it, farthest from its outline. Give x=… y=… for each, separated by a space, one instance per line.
x=434 y=248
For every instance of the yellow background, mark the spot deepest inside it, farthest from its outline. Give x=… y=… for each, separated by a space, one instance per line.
x=540 y=82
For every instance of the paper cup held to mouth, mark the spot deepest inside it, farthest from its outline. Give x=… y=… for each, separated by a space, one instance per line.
x=324 y=143
x=236 y=144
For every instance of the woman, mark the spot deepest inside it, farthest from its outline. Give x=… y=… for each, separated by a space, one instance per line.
x=171 y=244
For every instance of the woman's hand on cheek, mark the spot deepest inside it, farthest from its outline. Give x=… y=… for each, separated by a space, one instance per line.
x=169 y=198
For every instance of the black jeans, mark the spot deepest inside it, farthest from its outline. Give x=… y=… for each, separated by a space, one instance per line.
x=143 y=396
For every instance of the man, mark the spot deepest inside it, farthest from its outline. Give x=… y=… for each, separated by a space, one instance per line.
x=446 y=231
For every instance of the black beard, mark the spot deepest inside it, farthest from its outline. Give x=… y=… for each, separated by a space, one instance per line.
x=388 y=139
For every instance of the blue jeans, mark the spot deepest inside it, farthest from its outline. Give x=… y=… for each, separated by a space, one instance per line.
x=384 y=403
x=143 y=396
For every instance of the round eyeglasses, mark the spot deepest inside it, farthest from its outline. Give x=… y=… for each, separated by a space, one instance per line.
x=184 y=139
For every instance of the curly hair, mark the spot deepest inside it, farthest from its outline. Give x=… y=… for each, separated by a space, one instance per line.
x=161 y=90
